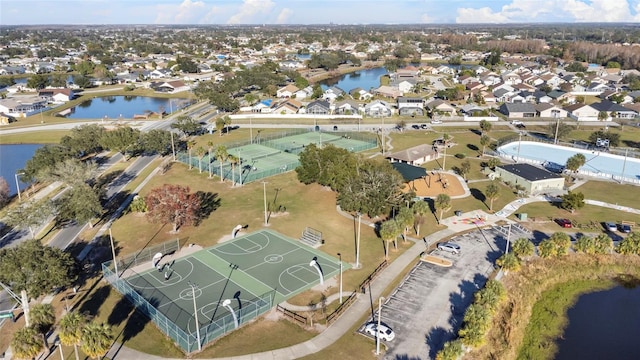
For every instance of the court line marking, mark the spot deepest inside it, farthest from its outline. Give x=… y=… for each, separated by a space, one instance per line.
x=162 y=284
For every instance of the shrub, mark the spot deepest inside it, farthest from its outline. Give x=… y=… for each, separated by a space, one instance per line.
x=509 y=262
x=630 y=245
x=585 y=245
x=522 y=248
x=450 y=351
x=138 y=205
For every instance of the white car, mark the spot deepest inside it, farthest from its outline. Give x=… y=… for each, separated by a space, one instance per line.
x=449 y=247
x=436 y=121
x=516 y=122
x=385 y=333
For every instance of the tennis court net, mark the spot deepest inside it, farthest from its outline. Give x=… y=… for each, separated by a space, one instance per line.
x=254 y=158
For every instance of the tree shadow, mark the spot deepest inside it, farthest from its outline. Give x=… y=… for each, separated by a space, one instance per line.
x=136 y=322
x=406 y=357
x=476 y=131
x=120 y=312
x=472 y=147
x=436 y=338
x=106 y=179
x=538 y=236
x=95 y=300
x=631 y=143
x=478 y=195
x=209 y=202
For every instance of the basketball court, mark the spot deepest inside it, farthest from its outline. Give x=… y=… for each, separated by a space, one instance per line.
x=244 y=271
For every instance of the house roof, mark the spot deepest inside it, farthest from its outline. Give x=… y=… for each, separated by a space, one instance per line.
x=519 y=107
x=409 y=172
x=606 y=105
x=529 y=172
x=414 y=153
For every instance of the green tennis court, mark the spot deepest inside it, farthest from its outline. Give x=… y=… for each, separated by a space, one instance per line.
x=242 y=270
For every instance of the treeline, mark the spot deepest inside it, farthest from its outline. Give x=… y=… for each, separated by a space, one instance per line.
x=627 y=56
x=532 y=46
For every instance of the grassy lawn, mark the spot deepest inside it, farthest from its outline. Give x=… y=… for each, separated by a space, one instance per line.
x=611 y=192
x=34 y=137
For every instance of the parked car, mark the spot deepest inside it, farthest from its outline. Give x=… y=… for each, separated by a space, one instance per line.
x=436 y=121
x=415 y=127
x=516 y=122
x=449 y=247
x=625 y=228
x=565 y=223
x=385 y=333
x=424 y=126
x=610 y=226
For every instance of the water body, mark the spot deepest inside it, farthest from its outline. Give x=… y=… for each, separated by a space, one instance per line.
x=125 y=107
x=365 y=79
x=12 y=159
x=603 y=325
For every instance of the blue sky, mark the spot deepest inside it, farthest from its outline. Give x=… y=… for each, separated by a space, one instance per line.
x=16 y=12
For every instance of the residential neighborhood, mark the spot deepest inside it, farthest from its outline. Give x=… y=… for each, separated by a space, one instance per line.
x=327 y=191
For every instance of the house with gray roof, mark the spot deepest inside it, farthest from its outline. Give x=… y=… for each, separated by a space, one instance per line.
x=518 y=110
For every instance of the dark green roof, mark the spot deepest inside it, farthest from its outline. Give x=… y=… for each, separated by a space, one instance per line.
x=409 y=172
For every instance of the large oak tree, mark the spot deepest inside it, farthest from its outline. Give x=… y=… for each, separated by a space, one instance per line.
x=34 y=269
x=173 y=204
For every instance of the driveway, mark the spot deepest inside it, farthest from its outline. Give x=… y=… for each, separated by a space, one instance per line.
x=426 y=309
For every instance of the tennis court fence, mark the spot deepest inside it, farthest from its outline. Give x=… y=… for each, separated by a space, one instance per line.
x=187 y=341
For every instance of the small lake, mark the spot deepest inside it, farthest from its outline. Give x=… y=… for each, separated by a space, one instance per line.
x=123 y=107
x=603 y=325
x=365 y=79
x=12 y=159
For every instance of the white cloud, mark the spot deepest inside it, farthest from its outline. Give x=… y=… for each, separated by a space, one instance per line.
x=598 y=10
x=426 y=19
x=187 y=12
x=481 y=15
x=284 y=16
x=552 y=10
x=249 y=9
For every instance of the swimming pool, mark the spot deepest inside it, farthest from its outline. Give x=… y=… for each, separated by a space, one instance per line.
x=598 y=163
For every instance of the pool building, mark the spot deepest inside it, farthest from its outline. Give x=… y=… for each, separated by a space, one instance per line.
x=533 y=179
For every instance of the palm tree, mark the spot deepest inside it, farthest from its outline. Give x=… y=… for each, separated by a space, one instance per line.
x=70 y=330
x=492 y=192
x=389 y=231
x=26 y=343
x=420 y=209
x=200 y=152
x=442 y=204
x=96 y=339
x=43 y=316
x=221 y=155
x=210 y=145
x=405 y=220
x=233 y=160
x=484 y=141
x=227 y=122
x=220 y=123
x=190 y=145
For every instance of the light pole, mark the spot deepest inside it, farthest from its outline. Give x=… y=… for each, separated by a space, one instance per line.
x=519 y=142
x=506 y=251
x=227 y=304
x=18 y=185
x=250 y=129
x=315 y=265
x=378 y=328
x=358 y=241
x=113 y=252
x=555 y=137
x=195 y=313
x=264 y=190
x=340 y=256
x=59 y=344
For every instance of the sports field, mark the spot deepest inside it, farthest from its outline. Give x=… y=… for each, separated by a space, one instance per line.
x=242 y=270
x=276 y=154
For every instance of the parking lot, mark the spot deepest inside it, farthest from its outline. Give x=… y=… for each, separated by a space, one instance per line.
x=427 y=308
